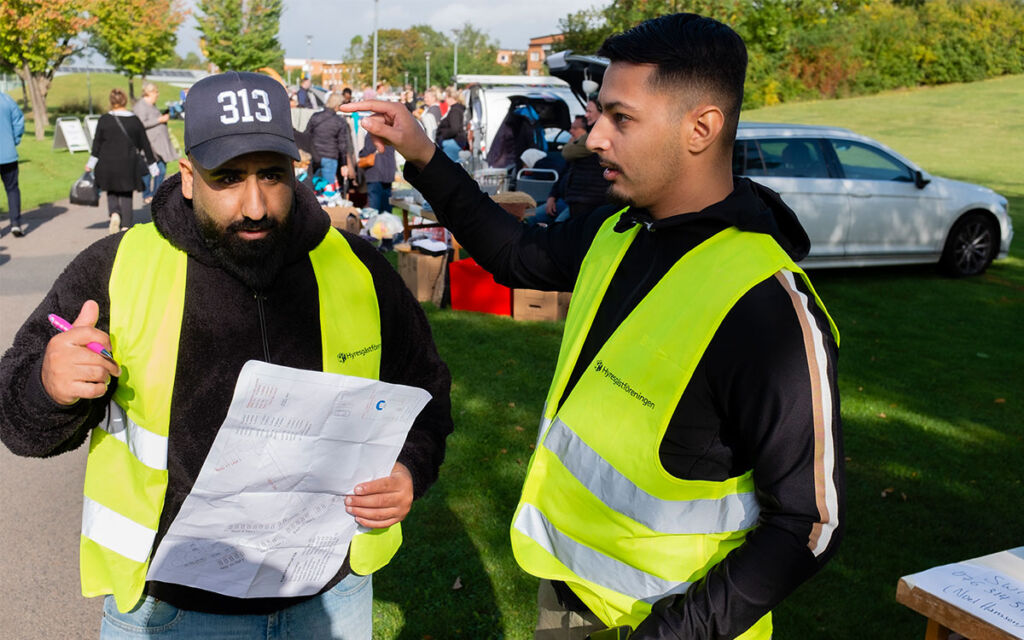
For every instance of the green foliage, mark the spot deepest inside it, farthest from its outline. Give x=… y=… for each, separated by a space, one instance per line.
x=191 y=60
x=584 y=31
x=36 y=37
x=241 y=35
x=885 y=38
x=801 y=49
x=401 y=51
x=967 y=41
x=40 y=33
x=136 y=35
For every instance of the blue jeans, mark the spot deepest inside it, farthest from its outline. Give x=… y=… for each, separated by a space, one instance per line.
x=379 y=196
x=328 y=170
x=9 y=175
x=541 y=213
x=451 y=149
x=153 y=182
x=345 y=612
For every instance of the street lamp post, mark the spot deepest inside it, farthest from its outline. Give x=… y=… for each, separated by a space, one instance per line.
x=376 y=4
x=455 y=71
x=427 y=84
x=309 y=56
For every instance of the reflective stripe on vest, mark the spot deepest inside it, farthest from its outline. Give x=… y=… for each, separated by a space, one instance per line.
x=728 y=513
x=126 y=474
x=598 y=509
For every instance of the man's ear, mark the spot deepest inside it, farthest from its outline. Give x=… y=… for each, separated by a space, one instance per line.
x=706 y=123
x=187 y=177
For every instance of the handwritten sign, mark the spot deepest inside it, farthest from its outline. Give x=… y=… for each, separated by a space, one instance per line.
x=90 y=126
x=983 y=591
x=69 y=134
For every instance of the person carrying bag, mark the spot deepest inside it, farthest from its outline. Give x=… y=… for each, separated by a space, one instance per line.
x=121 y=157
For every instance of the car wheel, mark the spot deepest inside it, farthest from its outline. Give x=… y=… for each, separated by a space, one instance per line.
x=971 y=246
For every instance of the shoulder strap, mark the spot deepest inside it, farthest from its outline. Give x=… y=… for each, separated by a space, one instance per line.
x=141 y=152
x=123 y=130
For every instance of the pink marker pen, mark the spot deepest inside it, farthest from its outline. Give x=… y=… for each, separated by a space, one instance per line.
x=60 y=324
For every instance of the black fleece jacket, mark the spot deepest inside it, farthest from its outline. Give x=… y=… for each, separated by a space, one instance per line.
x=330 y=134
x=763 y=397
x=225 y=324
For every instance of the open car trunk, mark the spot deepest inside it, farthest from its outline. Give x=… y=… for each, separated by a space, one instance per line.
x=528 y=124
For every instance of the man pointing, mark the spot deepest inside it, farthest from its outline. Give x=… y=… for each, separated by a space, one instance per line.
x=689 y=471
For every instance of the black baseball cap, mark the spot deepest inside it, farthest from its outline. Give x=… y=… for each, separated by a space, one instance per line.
x=234 y=113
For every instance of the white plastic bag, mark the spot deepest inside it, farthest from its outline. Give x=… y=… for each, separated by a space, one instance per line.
x=384 y=226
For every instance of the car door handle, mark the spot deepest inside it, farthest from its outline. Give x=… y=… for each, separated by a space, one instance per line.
x=860 y=193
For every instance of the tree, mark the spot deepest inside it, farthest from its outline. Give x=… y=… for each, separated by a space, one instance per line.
x=136 y=35
x=401 y=51
x=241 y=35
x=478 y=52
x=584 y=31
x=175 y=61
x=36 y=37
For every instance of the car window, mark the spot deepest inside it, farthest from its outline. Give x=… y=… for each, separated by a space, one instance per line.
x=746 y=159
x=864 y=162
x=788 y=157
x=793 y=158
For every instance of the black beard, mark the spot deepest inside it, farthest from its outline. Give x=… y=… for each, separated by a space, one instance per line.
x=256 y=263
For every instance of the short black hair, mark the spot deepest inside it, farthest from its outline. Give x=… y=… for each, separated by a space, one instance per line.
x=691 y=53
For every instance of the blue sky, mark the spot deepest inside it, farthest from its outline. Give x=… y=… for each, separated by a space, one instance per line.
x=333 y=23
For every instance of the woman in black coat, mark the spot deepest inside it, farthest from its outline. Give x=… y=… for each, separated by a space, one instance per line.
x=451 y=132
x=116 y=160
x=331 y=140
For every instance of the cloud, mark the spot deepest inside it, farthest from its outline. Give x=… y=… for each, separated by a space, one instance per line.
x=332 y=24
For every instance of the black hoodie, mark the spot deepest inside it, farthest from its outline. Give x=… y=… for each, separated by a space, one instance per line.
x=225 y=323
x=755 y=401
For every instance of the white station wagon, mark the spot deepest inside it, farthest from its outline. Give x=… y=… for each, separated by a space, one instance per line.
x=864 y=204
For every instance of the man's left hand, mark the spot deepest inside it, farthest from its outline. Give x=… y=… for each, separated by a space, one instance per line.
x=383 y=502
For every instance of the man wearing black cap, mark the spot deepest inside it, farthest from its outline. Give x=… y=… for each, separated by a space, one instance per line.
x=239 y=264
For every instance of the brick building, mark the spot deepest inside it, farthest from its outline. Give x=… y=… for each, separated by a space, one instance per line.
x=328 y=71
x=539 y=49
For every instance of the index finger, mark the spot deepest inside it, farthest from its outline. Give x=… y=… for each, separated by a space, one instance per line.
x=86 y=336
x=379 y=485
x=377 y=106
x=82 y=336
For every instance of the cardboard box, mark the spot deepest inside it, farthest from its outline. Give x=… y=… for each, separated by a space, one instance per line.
x=421 y=273
x=473 y=289
x=530 y=304
x=517 y=203
x=340 y=219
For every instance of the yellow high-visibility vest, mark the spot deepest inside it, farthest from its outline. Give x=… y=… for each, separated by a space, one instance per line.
x=598 y=510
x=126 y=472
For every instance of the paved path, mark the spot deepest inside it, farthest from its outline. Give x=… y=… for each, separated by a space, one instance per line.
x=41 y=500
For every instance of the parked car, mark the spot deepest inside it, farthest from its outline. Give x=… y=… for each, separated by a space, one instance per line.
x=490 y=99
x=864 y=204
x=861 y=202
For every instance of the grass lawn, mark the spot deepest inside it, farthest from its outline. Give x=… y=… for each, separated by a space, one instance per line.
x=69 y=94
x=930 y=372
x=44 y=174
